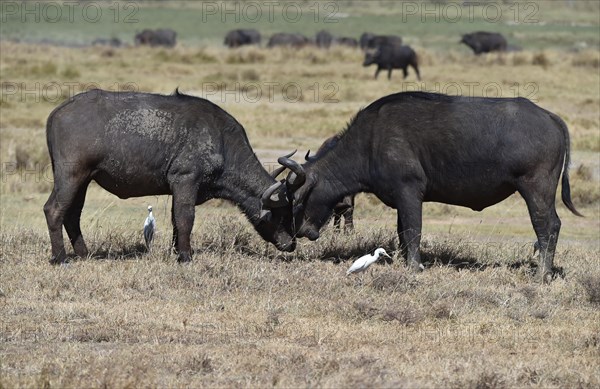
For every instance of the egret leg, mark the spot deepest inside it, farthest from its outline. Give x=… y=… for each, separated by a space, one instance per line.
x=175 y=240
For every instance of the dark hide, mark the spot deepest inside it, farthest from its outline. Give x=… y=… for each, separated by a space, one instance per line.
x=364 y=40
x=371 y=41
x=345 y=208
x=484 y=42
x=285 y=39
x=241 y=37
x=113 y=42
x=161 y=37
x=323 y=39
x=346 y=41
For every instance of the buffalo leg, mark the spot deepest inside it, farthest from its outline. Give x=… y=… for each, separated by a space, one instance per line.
x=72 y=223
x=336 y=220
x=349 y=220
x=546 y=223
x=60 y=201
x=184 y=202
x=390 y=73
x=377 y=71
x=349 y=215
x=403 y=249
x=416 y=67
x=405 y=72
x=410 y=213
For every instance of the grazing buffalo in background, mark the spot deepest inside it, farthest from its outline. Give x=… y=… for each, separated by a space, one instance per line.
x=323 y=39
x=393 y=57
x=344 y=208
x=113 y=42
x=285 y=39
x=371 y=41
x=141 y=144
x=242 y=37
x=484 y=42
x=412 y=147
x=161 y=37
x=364 y=40
x=346 y=41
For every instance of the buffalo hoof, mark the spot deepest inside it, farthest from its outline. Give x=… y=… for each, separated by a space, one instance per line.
x=416 y=267
x=184 y=257
x=58 y=259
x=82 y=253
x=544 y=276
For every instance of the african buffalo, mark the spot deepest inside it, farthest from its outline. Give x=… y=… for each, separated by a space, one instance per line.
x=161 y=37
x=484 y=42
x=140 y=144
x=344 y=208
x=323 y=39
x=393 y=57
x=285 y=39
x=113 y=42
x=346 y=41
x=372 y=41
x=364 y=39
x=241 y=37
x=412 y=147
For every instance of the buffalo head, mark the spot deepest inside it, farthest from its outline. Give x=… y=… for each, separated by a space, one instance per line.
x=311 y=211
x=275 y=222
x=370 y=57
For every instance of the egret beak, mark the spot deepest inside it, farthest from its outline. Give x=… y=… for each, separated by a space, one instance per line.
x=391 y=259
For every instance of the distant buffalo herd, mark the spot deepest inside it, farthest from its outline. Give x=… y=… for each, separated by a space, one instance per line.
x=385 y=51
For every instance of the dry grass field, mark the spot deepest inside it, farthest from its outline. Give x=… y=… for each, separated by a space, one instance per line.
x=244 y=315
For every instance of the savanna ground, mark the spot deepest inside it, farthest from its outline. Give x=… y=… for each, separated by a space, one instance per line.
x=242 y=314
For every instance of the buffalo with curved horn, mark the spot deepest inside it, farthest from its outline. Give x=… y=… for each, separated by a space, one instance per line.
x=412 y=147
x=140 y=144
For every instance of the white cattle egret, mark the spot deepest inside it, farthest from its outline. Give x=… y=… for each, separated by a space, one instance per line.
x=149 y=227
x=363 y=263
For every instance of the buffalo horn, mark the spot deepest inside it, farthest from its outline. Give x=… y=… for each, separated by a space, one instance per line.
x=307 y=156
x=277 y=171
x=297 y=170
x=280 y=169
x=290 y=154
